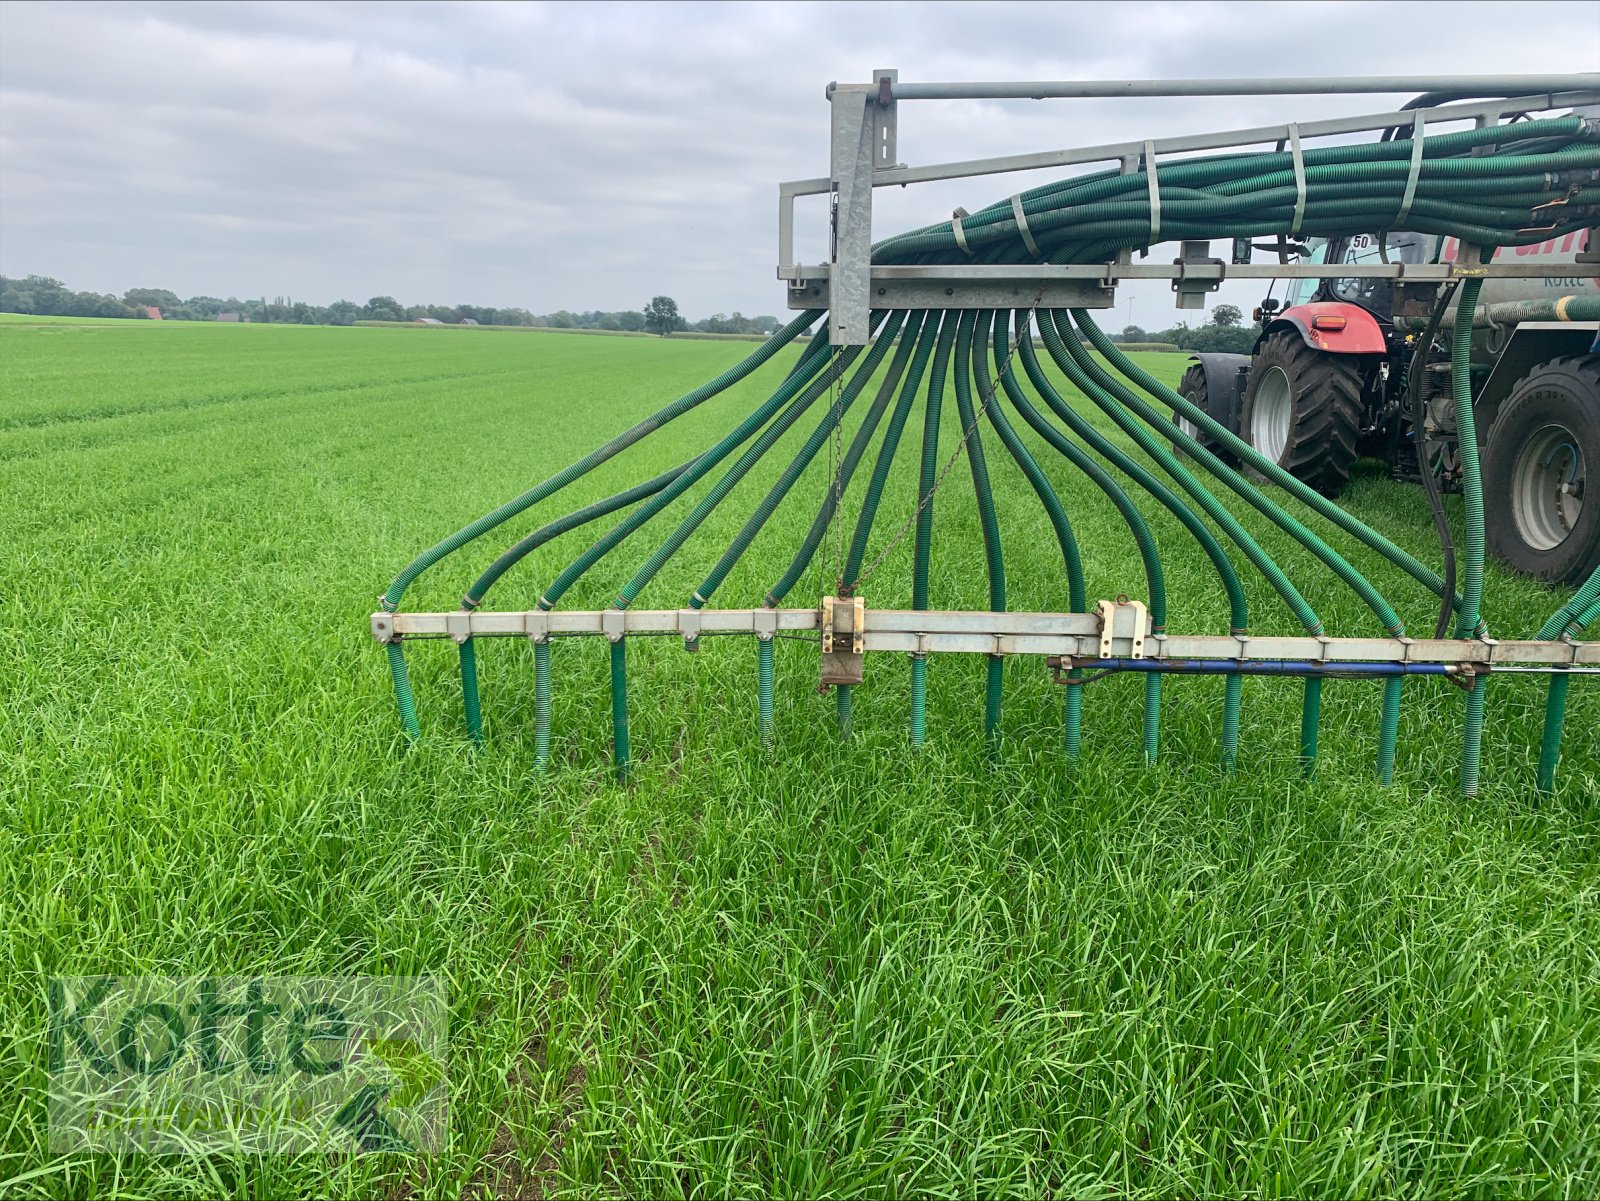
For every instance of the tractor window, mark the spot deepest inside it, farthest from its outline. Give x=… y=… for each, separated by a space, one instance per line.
x=1299 y=291
x=1375 y=294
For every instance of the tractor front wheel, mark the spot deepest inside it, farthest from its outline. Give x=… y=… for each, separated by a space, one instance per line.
x=1302 y=410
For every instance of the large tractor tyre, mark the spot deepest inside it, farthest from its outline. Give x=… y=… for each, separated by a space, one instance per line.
x=1192 y=387
x=1536 y=462
x=1302 y=409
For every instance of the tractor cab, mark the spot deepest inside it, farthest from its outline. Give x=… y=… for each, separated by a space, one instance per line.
x=1376 y=296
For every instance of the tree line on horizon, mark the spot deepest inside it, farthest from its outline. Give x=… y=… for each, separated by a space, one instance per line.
x=39 y=295
x=1225 y=332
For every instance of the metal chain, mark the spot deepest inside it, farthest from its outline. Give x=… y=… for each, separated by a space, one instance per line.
x=835 y=466
x=1025 y=330
x=836 y=456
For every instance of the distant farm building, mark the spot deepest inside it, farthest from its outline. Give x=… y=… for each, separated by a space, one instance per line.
x=429 y=321
x=469 y=321
x=227 y=316
x=152 y=312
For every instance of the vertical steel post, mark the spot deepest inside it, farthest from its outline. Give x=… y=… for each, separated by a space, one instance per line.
x=850 y=257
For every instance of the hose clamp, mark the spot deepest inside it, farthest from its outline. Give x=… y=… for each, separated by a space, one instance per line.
x=1416 y=169
x=1022 y=226
x=1154 y=191
x=959 y=232
x=1299 y=179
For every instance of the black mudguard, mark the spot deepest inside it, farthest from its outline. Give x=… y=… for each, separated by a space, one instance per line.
x=1224 y=386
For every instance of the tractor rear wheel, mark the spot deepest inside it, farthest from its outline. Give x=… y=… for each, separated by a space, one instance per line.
x=1536 y=463
x=1302 y=410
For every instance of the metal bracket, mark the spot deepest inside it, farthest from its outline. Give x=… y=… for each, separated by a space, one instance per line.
x=885 y=120
x=459 y=626
x=614 y=624
x=844 y=641
x=765 y=623
x=536 y=625
x=689 y=627
x=1108 y=611
x=1468 y=264
x=383 y=628
x=1192 y=290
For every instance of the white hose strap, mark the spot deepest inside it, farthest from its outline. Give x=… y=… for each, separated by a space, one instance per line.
x=1299 y=179
x=1022 y=225
x=1155 y=192
x=1416 y=170
x=961 y=234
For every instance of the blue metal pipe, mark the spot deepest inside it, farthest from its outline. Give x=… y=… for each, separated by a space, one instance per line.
x=1265 y=667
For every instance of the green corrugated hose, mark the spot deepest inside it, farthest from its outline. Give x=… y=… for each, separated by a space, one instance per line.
x=764 y=706
x=596 y=457
x=1077 y=595
x=1390 y=712
x=836 y=489
x=469 y=691
x=402 y=690
x=806 y=384
x=541 y=704
x=926 y=481
x=994 y=559
x=851 y=576
x=619 y=708
x=1389 y=728
x=1468 y=623
x=919 y=699
x=1567 y=621
x=1310 y=716
x=1237 y=607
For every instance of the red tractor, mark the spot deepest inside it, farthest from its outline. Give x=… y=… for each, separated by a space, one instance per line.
x=1339 y=372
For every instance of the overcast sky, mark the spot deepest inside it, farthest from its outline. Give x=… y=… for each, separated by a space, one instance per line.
x=591 y=155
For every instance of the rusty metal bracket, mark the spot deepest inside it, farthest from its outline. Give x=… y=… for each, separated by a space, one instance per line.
x=1108 y=611
x=844 y=641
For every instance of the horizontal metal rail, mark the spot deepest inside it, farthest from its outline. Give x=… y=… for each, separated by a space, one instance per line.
x=913 y=631
x=1091 y=285
x=884 y=177
x=1314 y=85
x=1207 y=269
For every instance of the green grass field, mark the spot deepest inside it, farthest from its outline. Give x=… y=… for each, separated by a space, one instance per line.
x=841 y=969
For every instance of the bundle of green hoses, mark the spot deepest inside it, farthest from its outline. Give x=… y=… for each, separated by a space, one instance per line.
x=1506 y=185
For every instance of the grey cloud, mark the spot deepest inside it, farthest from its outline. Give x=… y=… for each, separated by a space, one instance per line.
x=587 y=156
